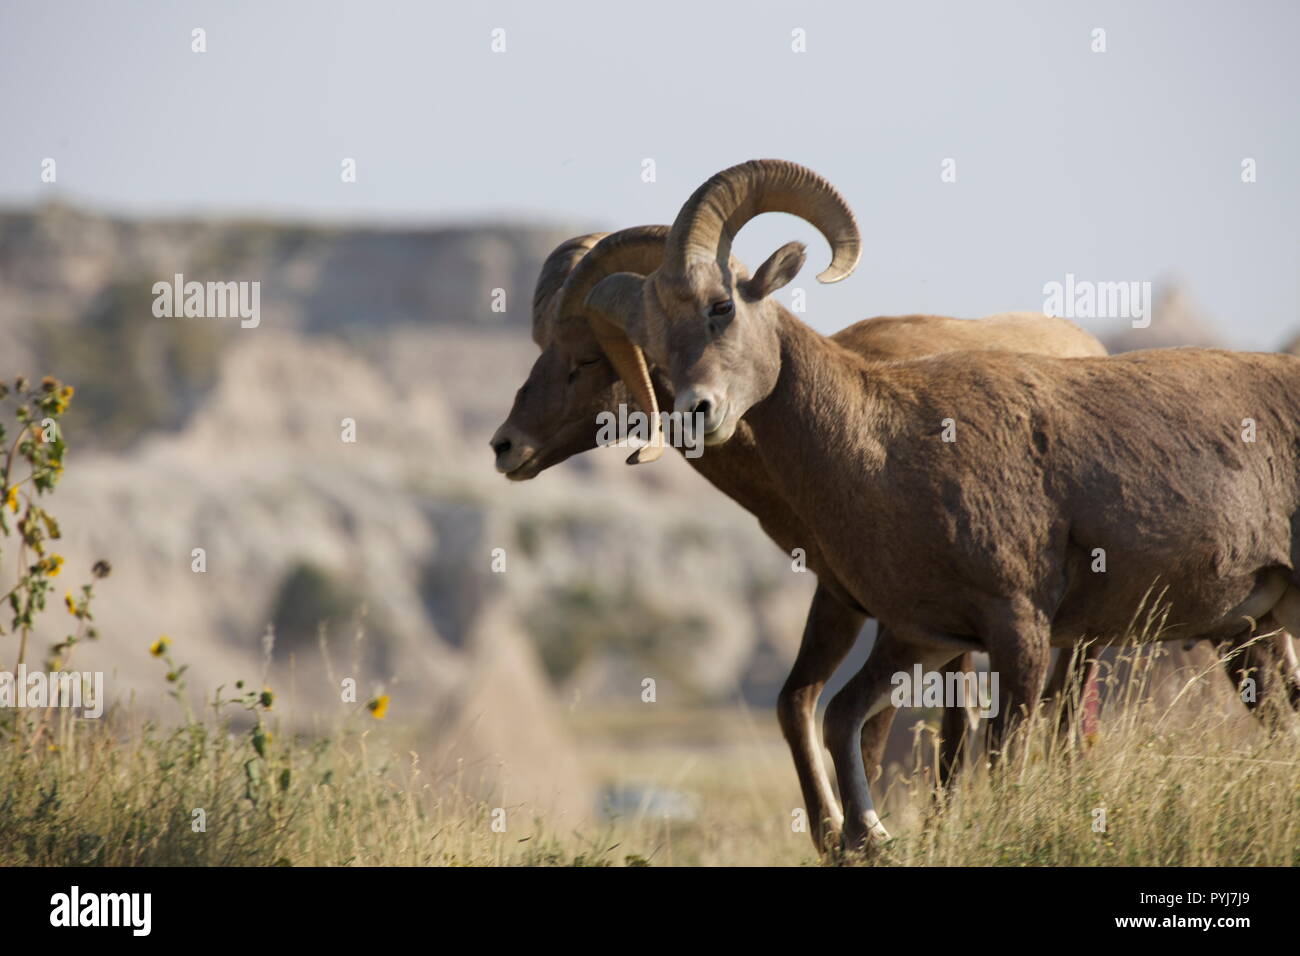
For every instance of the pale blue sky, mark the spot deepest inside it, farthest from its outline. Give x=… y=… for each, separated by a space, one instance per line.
x=1123 y=165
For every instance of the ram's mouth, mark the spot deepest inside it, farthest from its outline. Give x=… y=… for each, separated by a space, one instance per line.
x=721 y=432
x=528 y=468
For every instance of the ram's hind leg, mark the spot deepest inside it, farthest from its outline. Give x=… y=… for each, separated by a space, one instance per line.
x=1252 y=665
x=1273 y=660
x=1287 y=614
x=831 y=629
x=1290 y=658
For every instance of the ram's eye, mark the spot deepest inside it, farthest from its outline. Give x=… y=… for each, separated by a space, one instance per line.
x=587 y=363
x=721 y=310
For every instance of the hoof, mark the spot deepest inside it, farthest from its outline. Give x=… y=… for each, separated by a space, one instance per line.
x=867 y=837
x=830 y=836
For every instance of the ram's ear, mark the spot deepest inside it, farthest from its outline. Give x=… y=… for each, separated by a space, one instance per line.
x=617 y=298
x=780 y=267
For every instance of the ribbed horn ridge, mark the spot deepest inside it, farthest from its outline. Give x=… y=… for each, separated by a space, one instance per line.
x=555 y=269
x=708 y=222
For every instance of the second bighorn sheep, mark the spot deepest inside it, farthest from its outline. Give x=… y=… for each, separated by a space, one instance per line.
x=990 y=538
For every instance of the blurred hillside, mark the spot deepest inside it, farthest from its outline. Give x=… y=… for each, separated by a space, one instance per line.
x=196 y=433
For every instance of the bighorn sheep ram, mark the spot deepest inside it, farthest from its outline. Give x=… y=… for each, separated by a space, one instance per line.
x=1179 y=465
x=555 y=412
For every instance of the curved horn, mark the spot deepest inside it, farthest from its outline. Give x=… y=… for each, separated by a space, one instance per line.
x=555 y=269
x=710 y=219
x=608 y=306
x=639 y=250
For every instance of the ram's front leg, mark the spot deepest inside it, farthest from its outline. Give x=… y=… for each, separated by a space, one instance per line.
x=829 y=633
x=864 y=698
x=875 y=737
x=1018 y=637
x=958 y=720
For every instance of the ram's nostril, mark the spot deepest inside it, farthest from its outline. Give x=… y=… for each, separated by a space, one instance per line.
x=703 y=407
x=502 y=446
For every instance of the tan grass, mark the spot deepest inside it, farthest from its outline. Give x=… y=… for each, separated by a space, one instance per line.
x=1180 y=782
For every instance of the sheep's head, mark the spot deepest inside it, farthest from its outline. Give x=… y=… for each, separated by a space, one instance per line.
x=710 y=326
x=586 y=367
